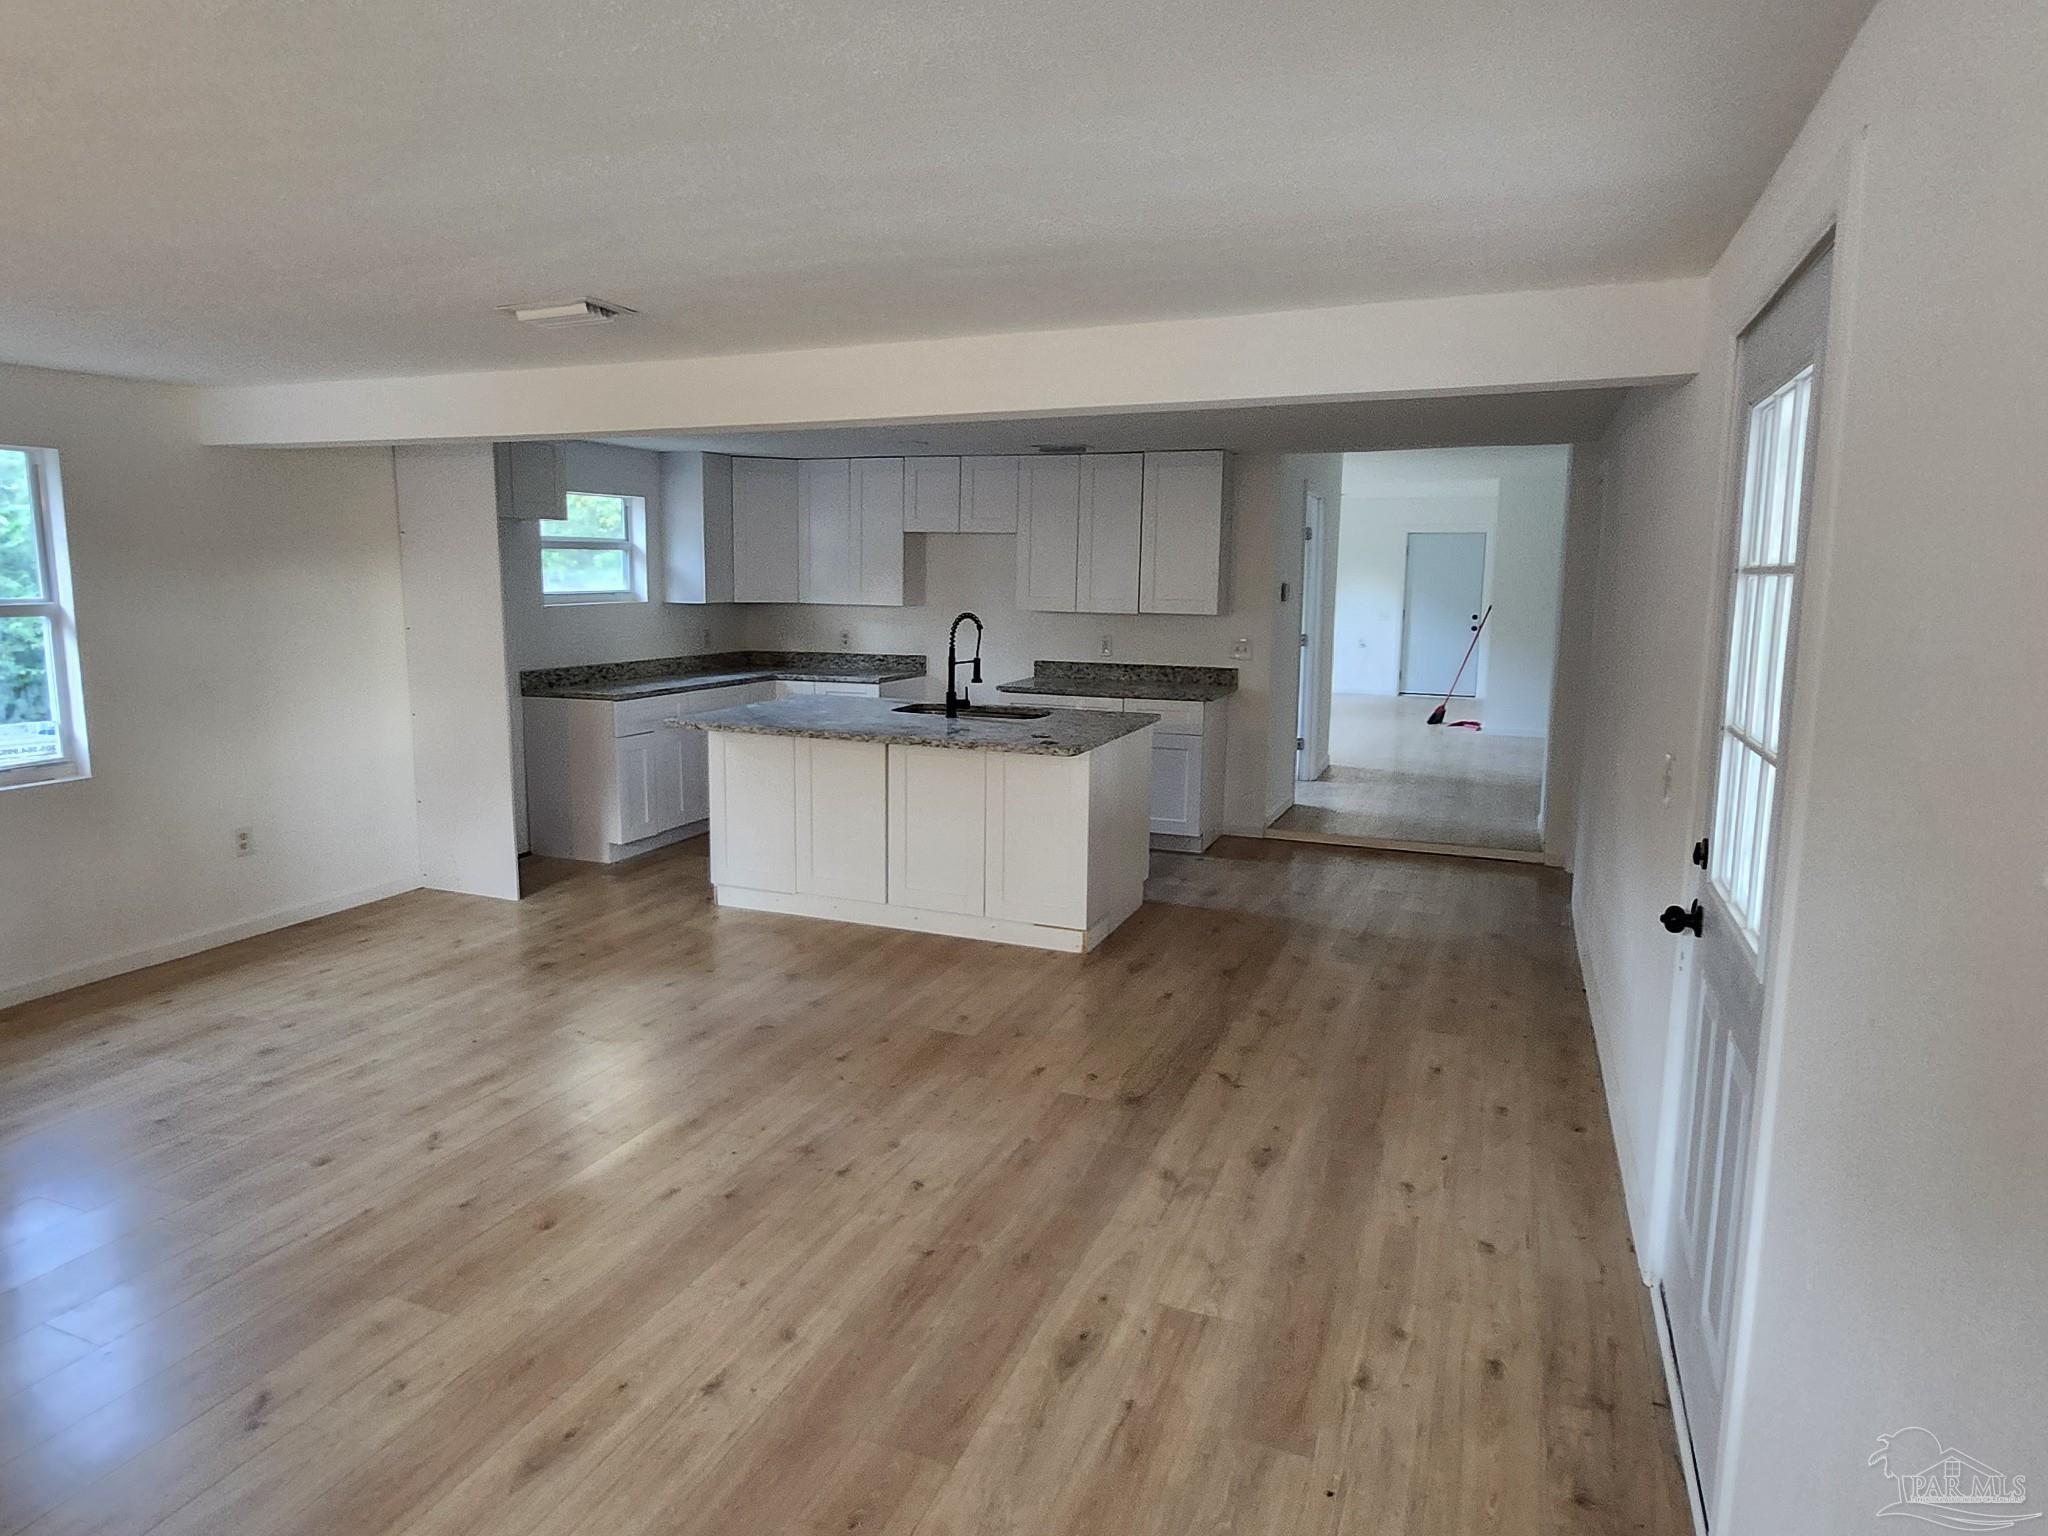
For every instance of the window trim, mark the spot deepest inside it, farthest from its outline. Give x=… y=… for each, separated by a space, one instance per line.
x=55 y=607
x=633 y=545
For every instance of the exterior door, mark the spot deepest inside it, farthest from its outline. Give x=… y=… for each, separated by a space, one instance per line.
x=1781 y=357
x=1446 y=585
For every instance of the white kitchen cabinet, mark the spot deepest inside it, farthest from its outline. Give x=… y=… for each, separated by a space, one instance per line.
x=1176 y=786
x=1180 y=554
x=931 y=495
x=1112 y=499
x=1019 y=848
x=988 y=493
x=937 y=798
x=765 y=531
x=878 y=504
x=1048 y=524
x=842 y=820
x=534 y=478
x=828 y=546
x=1188 y=747
x=696 y=527
x=753 y=784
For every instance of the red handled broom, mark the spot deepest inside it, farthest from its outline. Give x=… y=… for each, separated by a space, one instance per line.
x=1436 y=716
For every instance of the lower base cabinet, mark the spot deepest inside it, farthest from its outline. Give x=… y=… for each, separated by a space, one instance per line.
x=1046 y=851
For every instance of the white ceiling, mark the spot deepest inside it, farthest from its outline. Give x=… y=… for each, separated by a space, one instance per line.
x=225 y=191
x=1552 y=416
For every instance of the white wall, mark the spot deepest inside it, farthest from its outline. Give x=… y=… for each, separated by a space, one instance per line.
x=977 y=572
x=1900 y=1221
x=1517 y=498
x=576 y=633
x=244 y=664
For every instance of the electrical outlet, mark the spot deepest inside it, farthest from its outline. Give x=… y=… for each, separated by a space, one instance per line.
x=245 y=842
x=846 y=639
x=1107 y=645
x=1241 y=648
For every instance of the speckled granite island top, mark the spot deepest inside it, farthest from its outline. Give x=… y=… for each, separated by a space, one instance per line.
x=1125 y=680
x=617 y=680
x=1062 y=733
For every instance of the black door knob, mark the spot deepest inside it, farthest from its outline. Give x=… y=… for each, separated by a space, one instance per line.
x=1683 y=919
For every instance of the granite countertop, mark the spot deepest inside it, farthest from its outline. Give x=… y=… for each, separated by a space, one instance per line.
x=1061 y=733
x=621 y=680
x=1119 y=680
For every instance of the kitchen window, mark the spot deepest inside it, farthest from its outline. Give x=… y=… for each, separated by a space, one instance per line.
x=596 y=552
x=42 y=712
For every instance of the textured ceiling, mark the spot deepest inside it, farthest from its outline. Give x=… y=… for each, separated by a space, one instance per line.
x=227 y=191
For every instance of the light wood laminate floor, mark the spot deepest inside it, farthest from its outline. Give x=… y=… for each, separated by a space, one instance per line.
x=1394 y=778
x=1291 y=1210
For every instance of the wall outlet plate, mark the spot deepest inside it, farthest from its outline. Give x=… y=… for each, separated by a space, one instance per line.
x=1241 y=648
x=1107 y=645
x=846 y=639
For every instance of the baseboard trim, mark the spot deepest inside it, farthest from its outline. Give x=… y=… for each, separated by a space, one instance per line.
x=1401 y=845
x=1633 y=1204
x=1667 y=1352
x=51 y=984
x=839 y=909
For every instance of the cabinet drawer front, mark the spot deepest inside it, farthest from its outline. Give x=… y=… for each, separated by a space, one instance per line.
x=631 y=717
x=1176 y=716
x=850 y=690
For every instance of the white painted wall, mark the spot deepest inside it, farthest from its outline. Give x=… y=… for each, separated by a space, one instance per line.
x=243 y=654
x=577 y=633
x=977 y=572
x=1516 y=497
x=464 y=750
x=1900 y=1224
x=1555 y=338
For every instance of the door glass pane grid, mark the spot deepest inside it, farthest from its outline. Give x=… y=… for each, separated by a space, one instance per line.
x=1759 y=637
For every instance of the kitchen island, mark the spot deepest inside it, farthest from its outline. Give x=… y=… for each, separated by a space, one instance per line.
x=1020 y=826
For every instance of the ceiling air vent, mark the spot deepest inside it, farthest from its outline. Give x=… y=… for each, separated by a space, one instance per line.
x=567 y=312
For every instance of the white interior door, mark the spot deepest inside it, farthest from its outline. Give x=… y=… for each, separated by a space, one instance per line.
x=1314 y=702
x=1780 y=369
x=1440 y=613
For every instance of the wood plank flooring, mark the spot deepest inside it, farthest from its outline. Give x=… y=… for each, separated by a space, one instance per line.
x=1291 y=1210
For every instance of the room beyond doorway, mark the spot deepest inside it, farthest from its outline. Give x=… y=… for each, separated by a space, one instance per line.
x=1424 y=544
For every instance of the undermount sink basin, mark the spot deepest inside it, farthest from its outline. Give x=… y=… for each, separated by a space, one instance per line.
x=977 y=711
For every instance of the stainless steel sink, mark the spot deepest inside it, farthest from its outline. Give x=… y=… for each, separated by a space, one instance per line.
x=977 y=711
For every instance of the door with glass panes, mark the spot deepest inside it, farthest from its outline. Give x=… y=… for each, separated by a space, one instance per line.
x=1731 y=920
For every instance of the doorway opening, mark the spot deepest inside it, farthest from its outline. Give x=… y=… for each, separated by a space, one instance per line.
x=1422 y=543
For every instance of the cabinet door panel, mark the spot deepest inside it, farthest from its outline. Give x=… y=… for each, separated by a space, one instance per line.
x=1112 y=510
x=634 y=757
x=1038 y=839
x=1181 y=548
x=1177 y=786
x=842 y=835
x=931 y=499
x=764 y=531
x=988 y=494
x=937 y=815
x=878 y=500
x=665 y=783
x=753 y=811
x=1048 y=530
x=830 y=555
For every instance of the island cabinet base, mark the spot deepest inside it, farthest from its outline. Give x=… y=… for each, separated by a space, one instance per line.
x=1016 y=848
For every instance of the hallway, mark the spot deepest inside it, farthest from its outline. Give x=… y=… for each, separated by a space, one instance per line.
x=1394 y=779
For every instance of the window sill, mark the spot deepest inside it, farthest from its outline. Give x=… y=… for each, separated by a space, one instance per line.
x=31 y=775
x=586 y=600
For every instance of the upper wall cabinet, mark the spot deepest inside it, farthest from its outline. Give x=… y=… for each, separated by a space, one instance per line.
x=1048 y=520
x=696 y=527
x=1122 y=533
x=850 y=531
x=765 y=536
x=1180 y=547
x=989 y=492
x=533 y=478
x=931 y=495
x=1107 y=535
